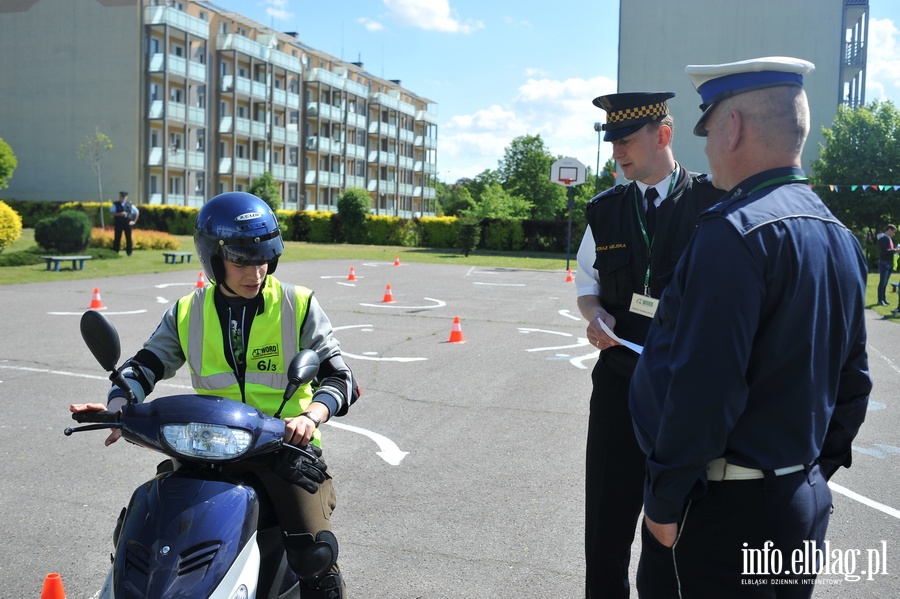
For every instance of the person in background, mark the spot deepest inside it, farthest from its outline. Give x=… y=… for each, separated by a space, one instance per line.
x=754 y=377
x=125 y=215
x=886 y=252
x=634 y=237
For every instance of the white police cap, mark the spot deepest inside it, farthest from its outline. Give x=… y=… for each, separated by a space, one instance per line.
x=715 y=82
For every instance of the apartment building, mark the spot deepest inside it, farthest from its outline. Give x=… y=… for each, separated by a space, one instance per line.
x=197 y=101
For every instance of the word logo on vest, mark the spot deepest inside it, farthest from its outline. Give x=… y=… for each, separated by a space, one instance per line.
x=259 y=355
x=612 y=246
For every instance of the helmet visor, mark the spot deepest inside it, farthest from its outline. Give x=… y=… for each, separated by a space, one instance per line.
x=252 y=251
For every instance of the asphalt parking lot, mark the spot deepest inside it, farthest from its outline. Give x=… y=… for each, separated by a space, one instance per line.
x=458 y=473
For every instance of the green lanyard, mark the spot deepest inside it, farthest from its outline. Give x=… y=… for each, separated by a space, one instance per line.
x=641 y=221
x=776 y=181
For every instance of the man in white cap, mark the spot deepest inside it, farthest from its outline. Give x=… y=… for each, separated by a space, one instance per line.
x=754 y=378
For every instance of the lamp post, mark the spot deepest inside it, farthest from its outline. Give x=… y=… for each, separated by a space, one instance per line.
x=598 y=127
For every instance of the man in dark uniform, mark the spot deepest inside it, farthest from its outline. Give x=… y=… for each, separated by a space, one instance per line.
x=754 y=377
x=626 y=258
x=124 y=217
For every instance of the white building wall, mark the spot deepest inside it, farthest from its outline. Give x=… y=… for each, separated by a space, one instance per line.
x=658 y=39
x=54 y=92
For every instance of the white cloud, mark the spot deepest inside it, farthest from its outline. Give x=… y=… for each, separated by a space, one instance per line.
x=883 y=62
x=369 y=24
x=278 y=9
x=431 y=15
x=559 y=111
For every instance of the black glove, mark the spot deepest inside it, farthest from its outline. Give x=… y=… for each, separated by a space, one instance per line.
x=300 y=465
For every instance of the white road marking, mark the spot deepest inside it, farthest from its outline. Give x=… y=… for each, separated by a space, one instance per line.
x=864 y=500
x=437 y=304
x=390 y=453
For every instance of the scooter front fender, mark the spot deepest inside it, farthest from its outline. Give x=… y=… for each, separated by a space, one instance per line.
x=182 y=535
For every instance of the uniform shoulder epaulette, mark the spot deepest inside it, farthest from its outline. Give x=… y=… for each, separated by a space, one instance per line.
x=703 y=178
x=612 y=191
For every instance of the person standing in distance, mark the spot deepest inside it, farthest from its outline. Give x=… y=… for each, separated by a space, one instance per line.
x=634 y=237
x=754 y=377
x=125 y=215
x=886 y=251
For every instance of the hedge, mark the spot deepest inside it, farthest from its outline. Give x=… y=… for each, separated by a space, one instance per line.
x=325 y=227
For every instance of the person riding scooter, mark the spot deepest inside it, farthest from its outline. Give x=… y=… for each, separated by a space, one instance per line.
x=237 y=337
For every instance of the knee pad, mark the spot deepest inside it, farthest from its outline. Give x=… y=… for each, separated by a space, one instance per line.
x=311 y=558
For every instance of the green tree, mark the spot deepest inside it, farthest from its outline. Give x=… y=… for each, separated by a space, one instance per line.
x=524 y=171
x=91 y=150
x=861 y=148
x=353 y=207
x=265 y=188
x=457 y=199
x=7 y=163
x=496 y=202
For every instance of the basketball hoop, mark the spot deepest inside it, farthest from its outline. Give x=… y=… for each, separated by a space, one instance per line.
x=566 y=182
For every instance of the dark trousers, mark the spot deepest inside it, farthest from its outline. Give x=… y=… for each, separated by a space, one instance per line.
x=719 y=550
x=614 y=485
x=884 y=275
x=121 y=225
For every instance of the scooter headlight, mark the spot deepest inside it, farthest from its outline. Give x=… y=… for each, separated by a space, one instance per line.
x=207 y=441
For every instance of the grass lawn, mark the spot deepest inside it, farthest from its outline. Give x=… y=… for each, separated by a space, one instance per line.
x=152 y=260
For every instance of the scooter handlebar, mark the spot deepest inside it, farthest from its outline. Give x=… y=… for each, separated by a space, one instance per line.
x=99 y=416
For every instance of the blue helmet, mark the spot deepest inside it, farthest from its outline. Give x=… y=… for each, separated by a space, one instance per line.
x=238 y=227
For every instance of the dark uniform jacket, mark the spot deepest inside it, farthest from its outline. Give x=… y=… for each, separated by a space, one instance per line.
x=758 y=350
x=615 y=217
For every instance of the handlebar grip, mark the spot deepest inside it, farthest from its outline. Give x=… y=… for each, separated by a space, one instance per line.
x=100 y=416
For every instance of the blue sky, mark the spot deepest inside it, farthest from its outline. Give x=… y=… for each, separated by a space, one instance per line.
x=499 y=70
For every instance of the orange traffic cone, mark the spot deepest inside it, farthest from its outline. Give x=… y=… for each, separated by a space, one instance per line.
x=352 y=275
x=388 y=296
x=53 y=587
x=456 y=335
x=396 y=260
x=569 y=278
x=96 y=302
x=201 y=282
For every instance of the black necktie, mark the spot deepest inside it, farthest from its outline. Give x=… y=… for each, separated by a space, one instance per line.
x=650 y=195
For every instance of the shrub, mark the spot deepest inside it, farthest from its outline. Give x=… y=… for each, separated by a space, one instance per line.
x=68 y=232
x=320 y=226
x=142 y=239
x=469 y=234
x=10 y=226
x=391 y=230
x=438 y=232
x=353 y=208
x=503 y=234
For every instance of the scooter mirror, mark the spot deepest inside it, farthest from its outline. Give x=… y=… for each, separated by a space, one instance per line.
x=302 y=369
x=101 y=338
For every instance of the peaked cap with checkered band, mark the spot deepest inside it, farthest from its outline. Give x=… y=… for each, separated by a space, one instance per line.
x=628 y=112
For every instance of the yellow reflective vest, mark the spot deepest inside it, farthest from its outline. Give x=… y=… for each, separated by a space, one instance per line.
x=274 y=340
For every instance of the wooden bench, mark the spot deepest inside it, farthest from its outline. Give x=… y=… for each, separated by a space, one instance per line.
x=171 y=256
x=77 y=261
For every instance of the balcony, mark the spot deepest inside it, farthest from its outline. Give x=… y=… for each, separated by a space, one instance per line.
x=326 y=111
x=324 y=144
x=239 y=43
x=324 y=76
x=383 y=129
x=427 y=117
x=384 y=100
x=382 y=186
x=324 y=179
x=165 y=15
x=429 y=143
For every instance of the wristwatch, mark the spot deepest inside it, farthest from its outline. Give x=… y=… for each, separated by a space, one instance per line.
x=314 y=417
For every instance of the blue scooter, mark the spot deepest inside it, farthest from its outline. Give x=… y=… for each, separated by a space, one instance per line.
x=200 y=531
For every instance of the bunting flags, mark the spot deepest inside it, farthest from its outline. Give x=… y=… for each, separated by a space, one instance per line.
x=860 y=187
